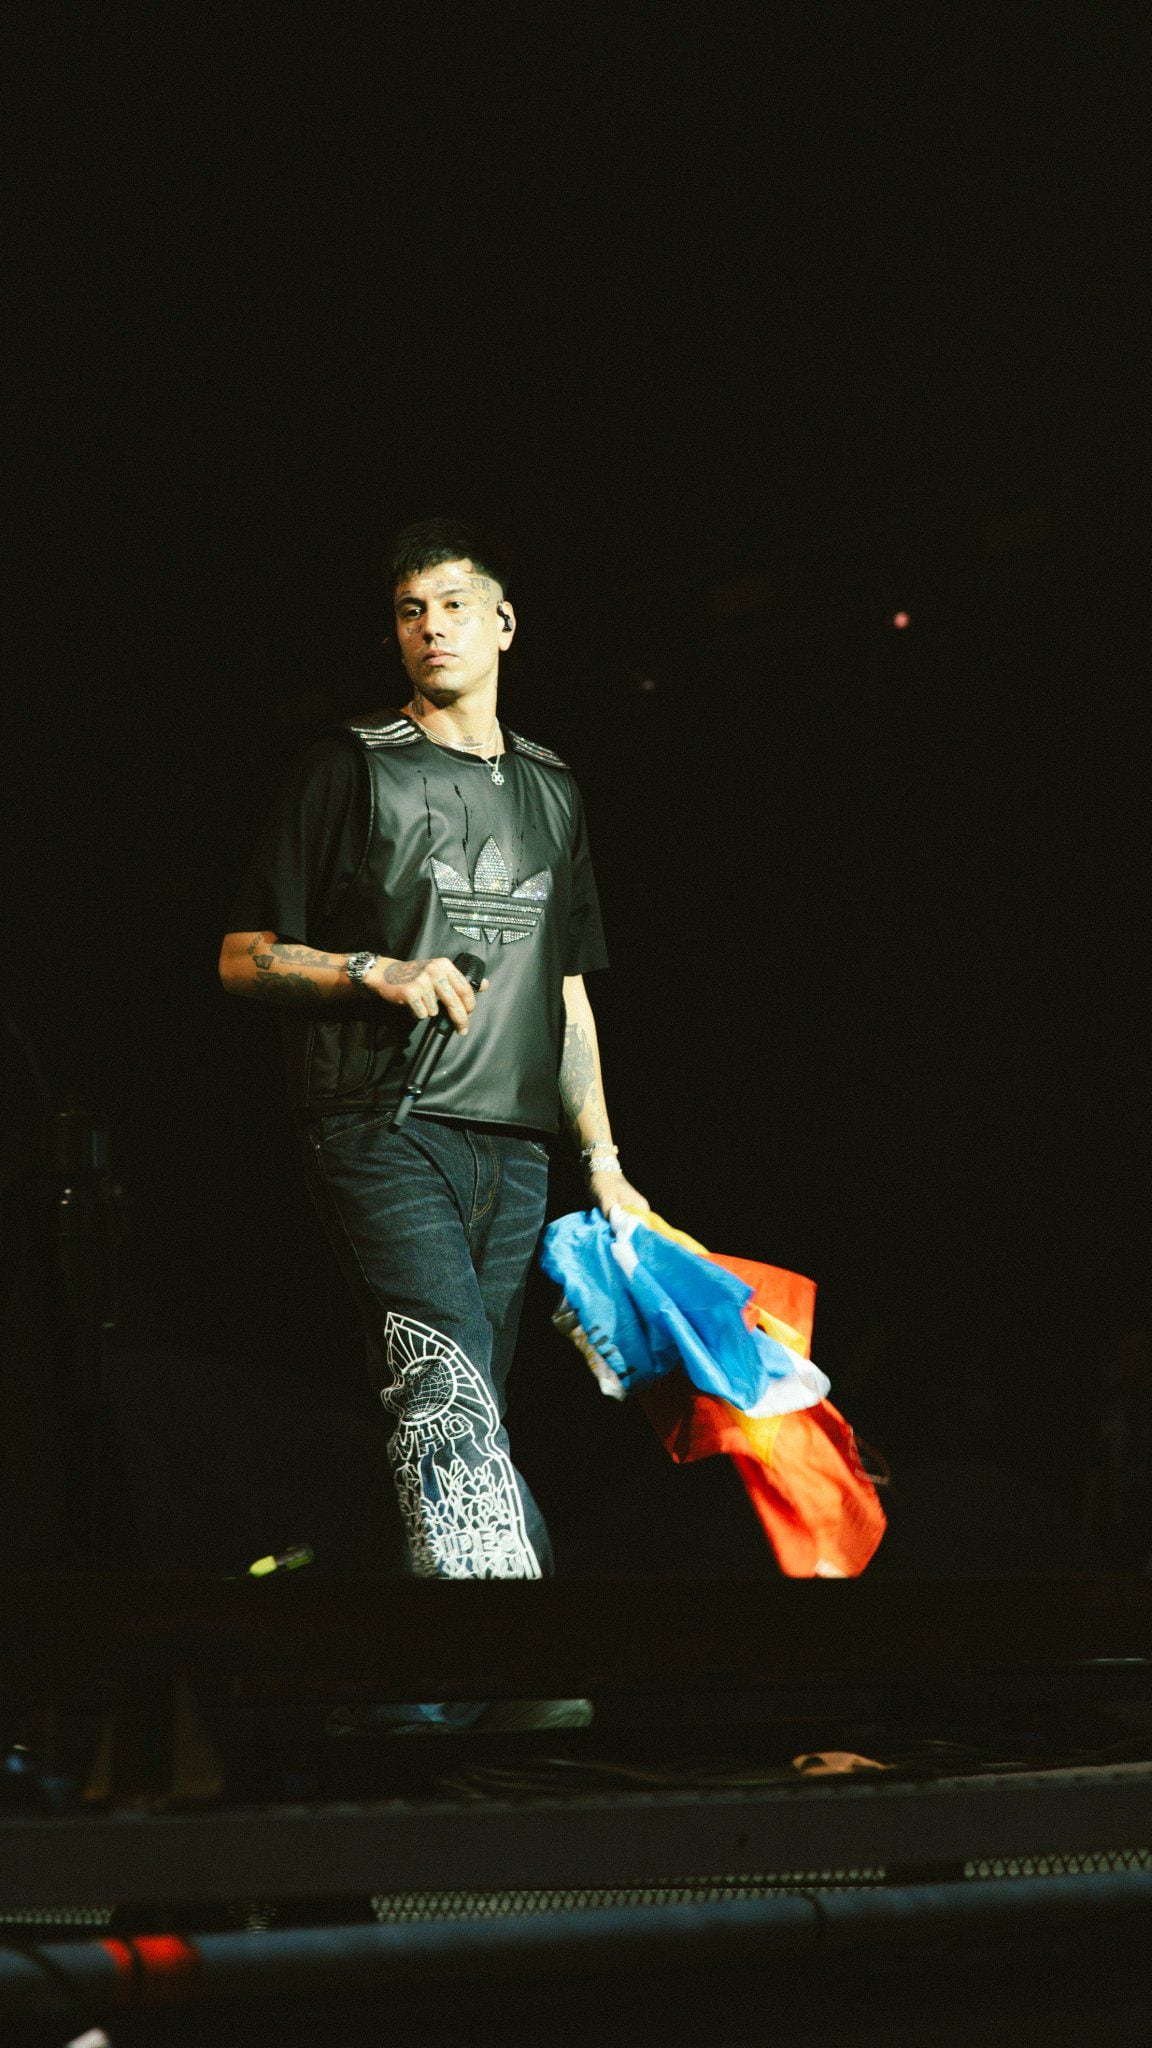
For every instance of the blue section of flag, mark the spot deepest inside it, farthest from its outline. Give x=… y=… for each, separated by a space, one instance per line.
x=577 y=1254
x=674 y=1309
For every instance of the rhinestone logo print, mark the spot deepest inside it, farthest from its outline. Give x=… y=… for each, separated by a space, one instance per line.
x=490 y=908
x=458 y=1496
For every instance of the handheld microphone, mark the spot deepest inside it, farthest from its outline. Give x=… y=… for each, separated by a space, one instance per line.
x=433 y=1040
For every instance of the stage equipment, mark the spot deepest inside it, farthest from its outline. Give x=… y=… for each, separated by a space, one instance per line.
x=89 y=1204
x=282 y=1561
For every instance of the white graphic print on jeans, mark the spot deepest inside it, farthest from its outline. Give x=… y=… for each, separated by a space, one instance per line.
x=458 y=1496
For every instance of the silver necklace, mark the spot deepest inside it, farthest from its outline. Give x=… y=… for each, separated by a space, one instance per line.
x=479 y=748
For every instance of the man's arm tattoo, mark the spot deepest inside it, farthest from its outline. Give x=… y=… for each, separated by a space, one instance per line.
x=289 y=988
x=294 y=989
x=295 y=956
x=403 y=970
x=578 y=1090
x=304 y=956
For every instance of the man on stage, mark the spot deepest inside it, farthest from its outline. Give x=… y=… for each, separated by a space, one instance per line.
x=429 y=833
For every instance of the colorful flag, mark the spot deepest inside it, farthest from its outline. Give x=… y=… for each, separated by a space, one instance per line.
x=716 y=1350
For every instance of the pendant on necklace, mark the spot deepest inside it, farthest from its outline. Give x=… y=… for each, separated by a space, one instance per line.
x=497 y=778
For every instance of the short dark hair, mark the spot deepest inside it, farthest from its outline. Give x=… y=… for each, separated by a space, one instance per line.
x=432 y=541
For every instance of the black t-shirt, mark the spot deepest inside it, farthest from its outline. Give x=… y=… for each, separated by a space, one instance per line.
x=382 y=840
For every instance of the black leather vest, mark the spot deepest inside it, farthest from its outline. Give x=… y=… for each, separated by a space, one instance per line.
x=453 y=864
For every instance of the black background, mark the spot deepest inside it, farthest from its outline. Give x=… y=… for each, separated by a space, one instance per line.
x=745 y=328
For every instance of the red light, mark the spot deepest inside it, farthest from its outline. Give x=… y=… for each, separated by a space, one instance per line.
x=900 y=620
x=154 y=1969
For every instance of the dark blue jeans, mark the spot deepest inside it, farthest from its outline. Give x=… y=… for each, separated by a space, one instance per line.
x=434 y=1227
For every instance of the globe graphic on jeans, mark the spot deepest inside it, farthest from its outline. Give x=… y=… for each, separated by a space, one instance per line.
x=423 y=1392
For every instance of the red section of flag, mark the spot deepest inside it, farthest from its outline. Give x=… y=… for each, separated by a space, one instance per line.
x=802 y=1474
x=786 y=1297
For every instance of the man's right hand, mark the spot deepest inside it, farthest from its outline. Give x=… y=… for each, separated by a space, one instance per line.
x=425 y=987
x=281 y=971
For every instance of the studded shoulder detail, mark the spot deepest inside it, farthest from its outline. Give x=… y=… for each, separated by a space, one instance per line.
x=397 y=732
x=535 y=752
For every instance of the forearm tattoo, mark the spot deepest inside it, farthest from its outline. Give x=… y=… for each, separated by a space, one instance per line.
x=302 y=956
x=273 y=985
x=578 y=1090
x=293 y=989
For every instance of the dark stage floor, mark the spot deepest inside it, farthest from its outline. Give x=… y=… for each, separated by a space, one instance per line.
x=696 y=1865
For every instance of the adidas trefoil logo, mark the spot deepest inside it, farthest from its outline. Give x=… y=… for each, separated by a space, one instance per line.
x=491 y=908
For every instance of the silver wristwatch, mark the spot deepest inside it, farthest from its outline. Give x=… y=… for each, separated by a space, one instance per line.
x=357 y=967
